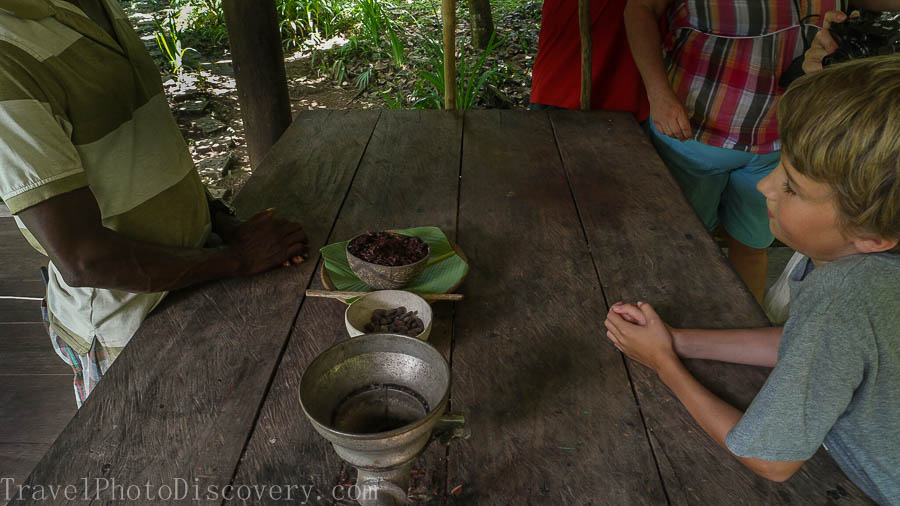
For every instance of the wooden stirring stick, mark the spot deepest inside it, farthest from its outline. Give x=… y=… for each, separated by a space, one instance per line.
x=336 y=294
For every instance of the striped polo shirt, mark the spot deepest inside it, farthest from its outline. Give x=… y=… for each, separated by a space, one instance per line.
x=724 y=61
x=81 y=108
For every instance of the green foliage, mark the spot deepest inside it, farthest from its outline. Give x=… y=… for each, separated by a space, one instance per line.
x=530 y=8
x=203 y=21
x=431 y=97
x=471 y=76
x=398 y=52
x=169 y=41
x=339 y=71
x=373 y=20
x=313 y=20
x=392 y=101
x=300 y=20
x=385 y=41
x=376 y=24
x=363 y=79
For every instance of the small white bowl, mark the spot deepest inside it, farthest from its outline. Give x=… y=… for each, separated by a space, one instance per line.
x=359 y=313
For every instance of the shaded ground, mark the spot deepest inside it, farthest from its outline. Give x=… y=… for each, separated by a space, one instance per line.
x=205 y=101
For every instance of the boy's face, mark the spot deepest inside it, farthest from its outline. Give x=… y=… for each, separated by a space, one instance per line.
x=802 y=214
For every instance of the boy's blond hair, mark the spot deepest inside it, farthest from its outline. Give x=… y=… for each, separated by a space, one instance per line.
x=841 y=126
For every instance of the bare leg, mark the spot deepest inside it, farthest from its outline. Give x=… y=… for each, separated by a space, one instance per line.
x=750 y=263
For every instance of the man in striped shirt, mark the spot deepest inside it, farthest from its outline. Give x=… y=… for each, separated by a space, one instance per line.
x=99 y=178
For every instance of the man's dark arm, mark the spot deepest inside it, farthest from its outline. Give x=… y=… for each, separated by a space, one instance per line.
x=70 y=229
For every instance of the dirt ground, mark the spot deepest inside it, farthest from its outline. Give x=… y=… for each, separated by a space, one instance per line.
x=206 y=107
x=208 y=112
x=209 y=115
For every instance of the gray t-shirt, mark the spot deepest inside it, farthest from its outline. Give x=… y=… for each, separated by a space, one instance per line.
x=837 y=379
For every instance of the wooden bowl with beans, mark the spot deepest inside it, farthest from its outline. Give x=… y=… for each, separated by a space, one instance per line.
x=386 y=260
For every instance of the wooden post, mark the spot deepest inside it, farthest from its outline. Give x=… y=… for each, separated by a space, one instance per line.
x=587 y=43
x=255 y=41
x=448 y=16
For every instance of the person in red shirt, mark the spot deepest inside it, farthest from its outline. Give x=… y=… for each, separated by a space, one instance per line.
x=556 y=78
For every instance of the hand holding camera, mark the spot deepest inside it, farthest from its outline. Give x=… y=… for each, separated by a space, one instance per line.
x=861 y=35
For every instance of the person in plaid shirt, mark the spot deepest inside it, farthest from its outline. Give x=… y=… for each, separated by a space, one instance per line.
x=713 y=89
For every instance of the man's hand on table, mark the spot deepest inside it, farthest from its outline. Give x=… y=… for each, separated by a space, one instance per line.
x=637 y=331
x=87 y=254
x=264 y=242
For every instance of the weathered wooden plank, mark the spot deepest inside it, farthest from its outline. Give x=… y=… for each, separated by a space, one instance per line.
x=23 y=288
x=552 y=414
x=408 y=177
x=649 y=245
x=20 y=311
x=16 y=461
x=18 y=260
x=25 y=349
x=36 y=407
x=180 y=401
x=316 y=152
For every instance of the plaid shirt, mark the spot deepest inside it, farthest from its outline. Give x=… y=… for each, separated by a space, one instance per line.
x=724 y=60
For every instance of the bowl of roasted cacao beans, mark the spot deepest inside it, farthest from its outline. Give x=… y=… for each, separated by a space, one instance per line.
x=389 y=312
x=385 y=260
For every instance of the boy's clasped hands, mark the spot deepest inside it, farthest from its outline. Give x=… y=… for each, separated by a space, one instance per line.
x=637 y=331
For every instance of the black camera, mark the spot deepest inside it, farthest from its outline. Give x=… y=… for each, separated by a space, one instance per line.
x=870 y=34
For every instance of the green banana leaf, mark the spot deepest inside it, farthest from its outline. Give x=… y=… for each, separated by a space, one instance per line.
x=439 y=277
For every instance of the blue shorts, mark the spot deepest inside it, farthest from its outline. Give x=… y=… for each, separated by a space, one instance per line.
x=721 y=184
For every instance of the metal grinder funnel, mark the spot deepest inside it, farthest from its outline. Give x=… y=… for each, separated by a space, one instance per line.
x=380 y=399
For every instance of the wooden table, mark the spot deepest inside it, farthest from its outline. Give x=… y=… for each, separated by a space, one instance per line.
x=561 y=214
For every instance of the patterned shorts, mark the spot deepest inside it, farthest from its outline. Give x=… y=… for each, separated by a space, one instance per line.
x=88 y=368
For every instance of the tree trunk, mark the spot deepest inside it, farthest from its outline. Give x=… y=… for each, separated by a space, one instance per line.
x=258 y=61
x=482 y=22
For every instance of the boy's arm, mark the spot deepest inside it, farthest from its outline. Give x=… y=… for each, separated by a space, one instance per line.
x=650 y=342
x=717 y=418
x=739 y=346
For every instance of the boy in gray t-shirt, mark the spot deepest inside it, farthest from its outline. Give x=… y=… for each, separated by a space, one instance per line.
x=838 y=375
x=835 y=197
